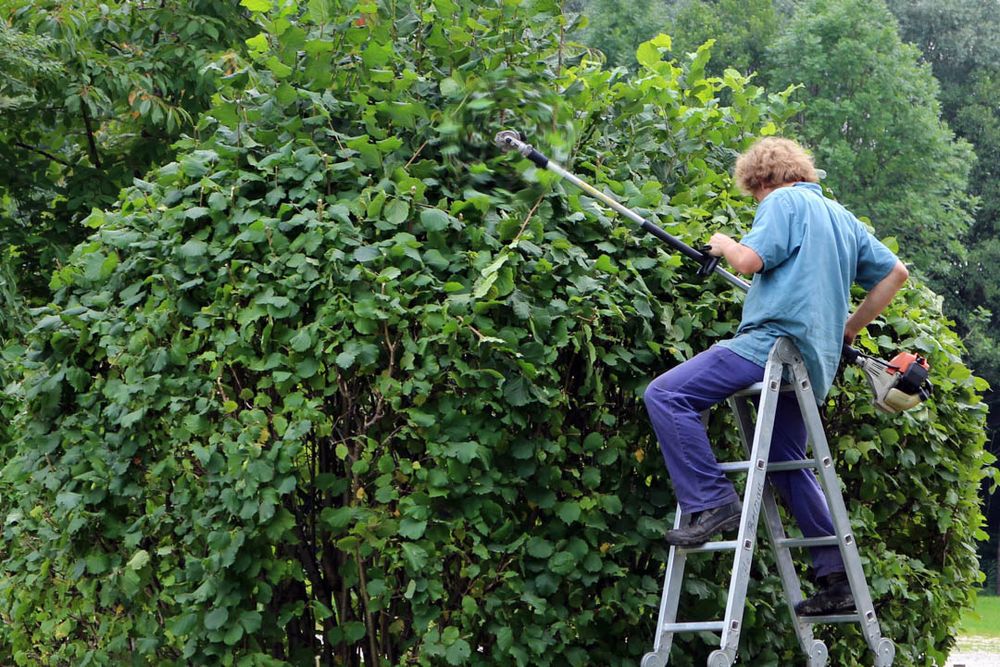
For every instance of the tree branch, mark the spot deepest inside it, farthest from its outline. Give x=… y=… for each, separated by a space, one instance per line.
x=95 y=157
x=41 y=151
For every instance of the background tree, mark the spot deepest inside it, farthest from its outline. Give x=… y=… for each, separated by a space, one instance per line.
x=873 y=120
x=616 y=29
x=742 y=31
x=24 y=62
x=100 y=92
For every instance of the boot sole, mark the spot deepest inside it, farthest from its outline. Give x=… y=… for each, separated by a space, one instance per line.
x=729 y=524
x=841 y=609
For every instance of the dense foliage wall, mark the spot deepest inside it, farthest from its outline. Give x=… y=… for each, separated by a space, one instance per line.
x=337 y=382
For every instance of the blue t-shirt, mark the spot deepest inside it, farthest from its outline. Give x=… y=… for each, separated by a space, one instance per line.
x=813 y=250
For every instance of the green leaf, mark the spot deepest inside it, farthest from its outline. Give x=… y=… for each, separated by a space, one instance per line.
x=233 y=634
x=605 y=264
x=193 y=248
x=337 y=518
x=301 y=341
x=183 y=625
x=517 y=391
x=563 y=563
x=889 y=436
x=257 y=5
x=397 y=211
x=367 y=253
x=411 y=529
x=568 y=511
x=319 y=11
x=663 y=41
x=98 y=563
x=251 y=621
x=376 y=55
x=458 y=653
x=139 y=560
x=416 y=556
x=450 y=88
x=278 y=68
x=353 y=631
x=483 y=285
x=540 y=547
x=647 y=54
x=434 y=220
x=216 y=618
x=258 y=43
x=593 y=441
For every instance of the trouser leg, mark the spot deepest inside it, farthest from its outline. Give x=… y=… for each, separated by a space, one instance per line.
x=800 y=489
x=675 y=401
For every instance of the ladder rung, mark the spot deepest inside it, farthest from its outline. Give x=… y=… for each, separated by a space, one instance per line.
x=758 y=387
x=792 y=542
x=777 y=466
x=707 y=626
x=836 y=618
x=710 y=546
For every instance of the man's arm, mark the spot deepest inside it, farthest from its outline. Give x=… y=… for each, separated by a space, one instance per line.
x=742 y=258
x=875 y=301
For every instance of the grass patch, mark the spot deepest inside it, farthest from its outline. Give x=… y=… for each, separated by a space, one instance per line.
x=984 y=621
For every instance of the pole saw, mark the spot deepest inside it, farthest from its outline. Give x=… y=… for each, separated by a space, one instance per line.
x=897 y=385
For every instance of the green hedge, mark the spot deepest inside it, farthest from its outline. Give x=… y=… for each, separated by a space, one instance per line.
x=337 y=382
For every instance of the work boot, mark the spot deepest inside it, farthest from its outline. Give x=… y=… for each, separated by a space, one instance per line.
x=705 y=524
x=833 y=597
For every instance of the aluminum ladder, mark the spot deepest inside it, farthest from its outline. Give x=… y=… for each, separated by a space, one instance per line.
x=783 y=356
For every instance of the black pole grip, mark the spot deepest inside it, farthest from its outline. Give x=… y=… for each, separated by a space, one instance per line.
x=849 y=354
x=708 y=262
x=540 y=160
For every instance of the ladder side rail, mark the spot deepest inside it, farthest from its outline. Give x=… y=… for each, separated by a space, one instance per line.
x=815 y=650
x=883 y=648
x=752 y=495
x=673 y=582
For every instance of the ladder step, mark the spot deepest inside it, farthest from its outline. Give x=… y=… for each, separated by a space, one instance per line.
x=707 y=626
x=728 y=545
x=835 y=618
x=792 y=542
x=756 y=388
x=777 y=466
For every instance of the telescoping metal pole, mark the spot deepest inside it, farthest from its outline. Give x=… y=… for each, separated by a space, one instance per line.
x=510 y=140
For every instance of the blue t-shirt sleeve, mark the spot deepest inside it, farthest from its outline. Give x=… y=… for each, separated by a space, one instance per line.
x=874 y=260
x=774 y=235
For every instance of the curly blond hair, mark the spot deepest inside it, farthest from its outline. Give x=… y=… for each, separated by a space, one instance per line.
x=773 y=161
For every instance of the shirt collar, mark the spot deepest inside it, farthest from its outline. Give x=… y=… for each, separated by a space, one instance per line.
x=809 y=186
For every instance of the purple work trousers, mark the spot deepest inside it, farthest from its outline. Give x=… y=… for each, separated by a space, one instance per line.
x=675 y=401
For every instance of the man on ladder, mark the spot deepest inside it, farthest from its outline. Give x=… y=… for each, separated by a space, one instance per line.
x=805 y=251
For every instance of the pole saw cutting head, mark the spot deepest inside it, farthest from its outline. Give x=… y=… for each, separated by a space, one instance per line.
x=896 y=385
